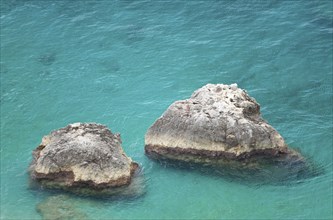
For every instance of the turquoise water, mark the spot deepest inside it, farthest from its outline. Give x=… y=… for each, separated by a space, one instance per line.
x=122 y=63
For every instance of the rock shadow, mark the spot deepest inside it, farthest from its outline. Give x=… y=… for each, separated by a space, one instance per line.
x=267 y=171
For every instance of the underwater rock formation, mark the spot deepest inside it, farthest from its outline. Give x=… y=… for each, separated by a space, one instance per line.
x=82 y=155
x=60 y=207
x=218 y=125
x=47 y=59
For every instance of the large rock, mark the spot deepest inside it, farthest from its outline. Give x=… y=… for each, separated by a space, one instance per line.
x=82 y=155
x=218 y=124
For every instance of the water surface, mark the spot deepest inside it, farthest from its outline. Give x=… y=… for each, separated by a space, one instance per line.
x=122 y=63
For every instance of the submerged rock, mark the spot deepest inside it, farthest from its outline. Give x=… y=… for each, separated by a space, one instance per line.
x=60 y=207
x=82 y=155
x=219 y=125
x=47 y=59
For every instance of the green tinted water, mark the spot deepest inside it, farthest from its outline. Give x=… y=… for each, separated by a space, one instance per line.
x=122 y=64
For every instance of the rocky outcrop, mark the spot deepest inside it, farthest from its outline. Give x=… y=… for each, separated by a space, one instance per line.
x=82 y=155
x=218 y=124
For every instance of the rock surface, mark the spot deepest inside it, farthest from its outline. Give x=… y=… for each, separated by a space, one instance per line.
x=82 y=155
x=217 y=124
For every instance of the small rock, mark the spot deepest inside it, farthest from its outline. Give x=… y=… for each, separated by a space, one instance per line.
x=79 y=156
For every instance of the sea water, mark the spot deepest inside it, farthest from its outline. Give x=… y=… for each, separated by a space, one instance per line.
x=122 y=63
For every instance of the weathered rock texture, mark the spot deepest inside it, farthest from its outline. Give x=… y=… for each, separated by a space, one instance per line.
x=82 y=155
x=219 y=123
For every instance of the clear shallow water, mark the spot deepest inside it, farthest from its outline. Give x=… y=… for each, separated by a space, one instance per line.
x=122 y=64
